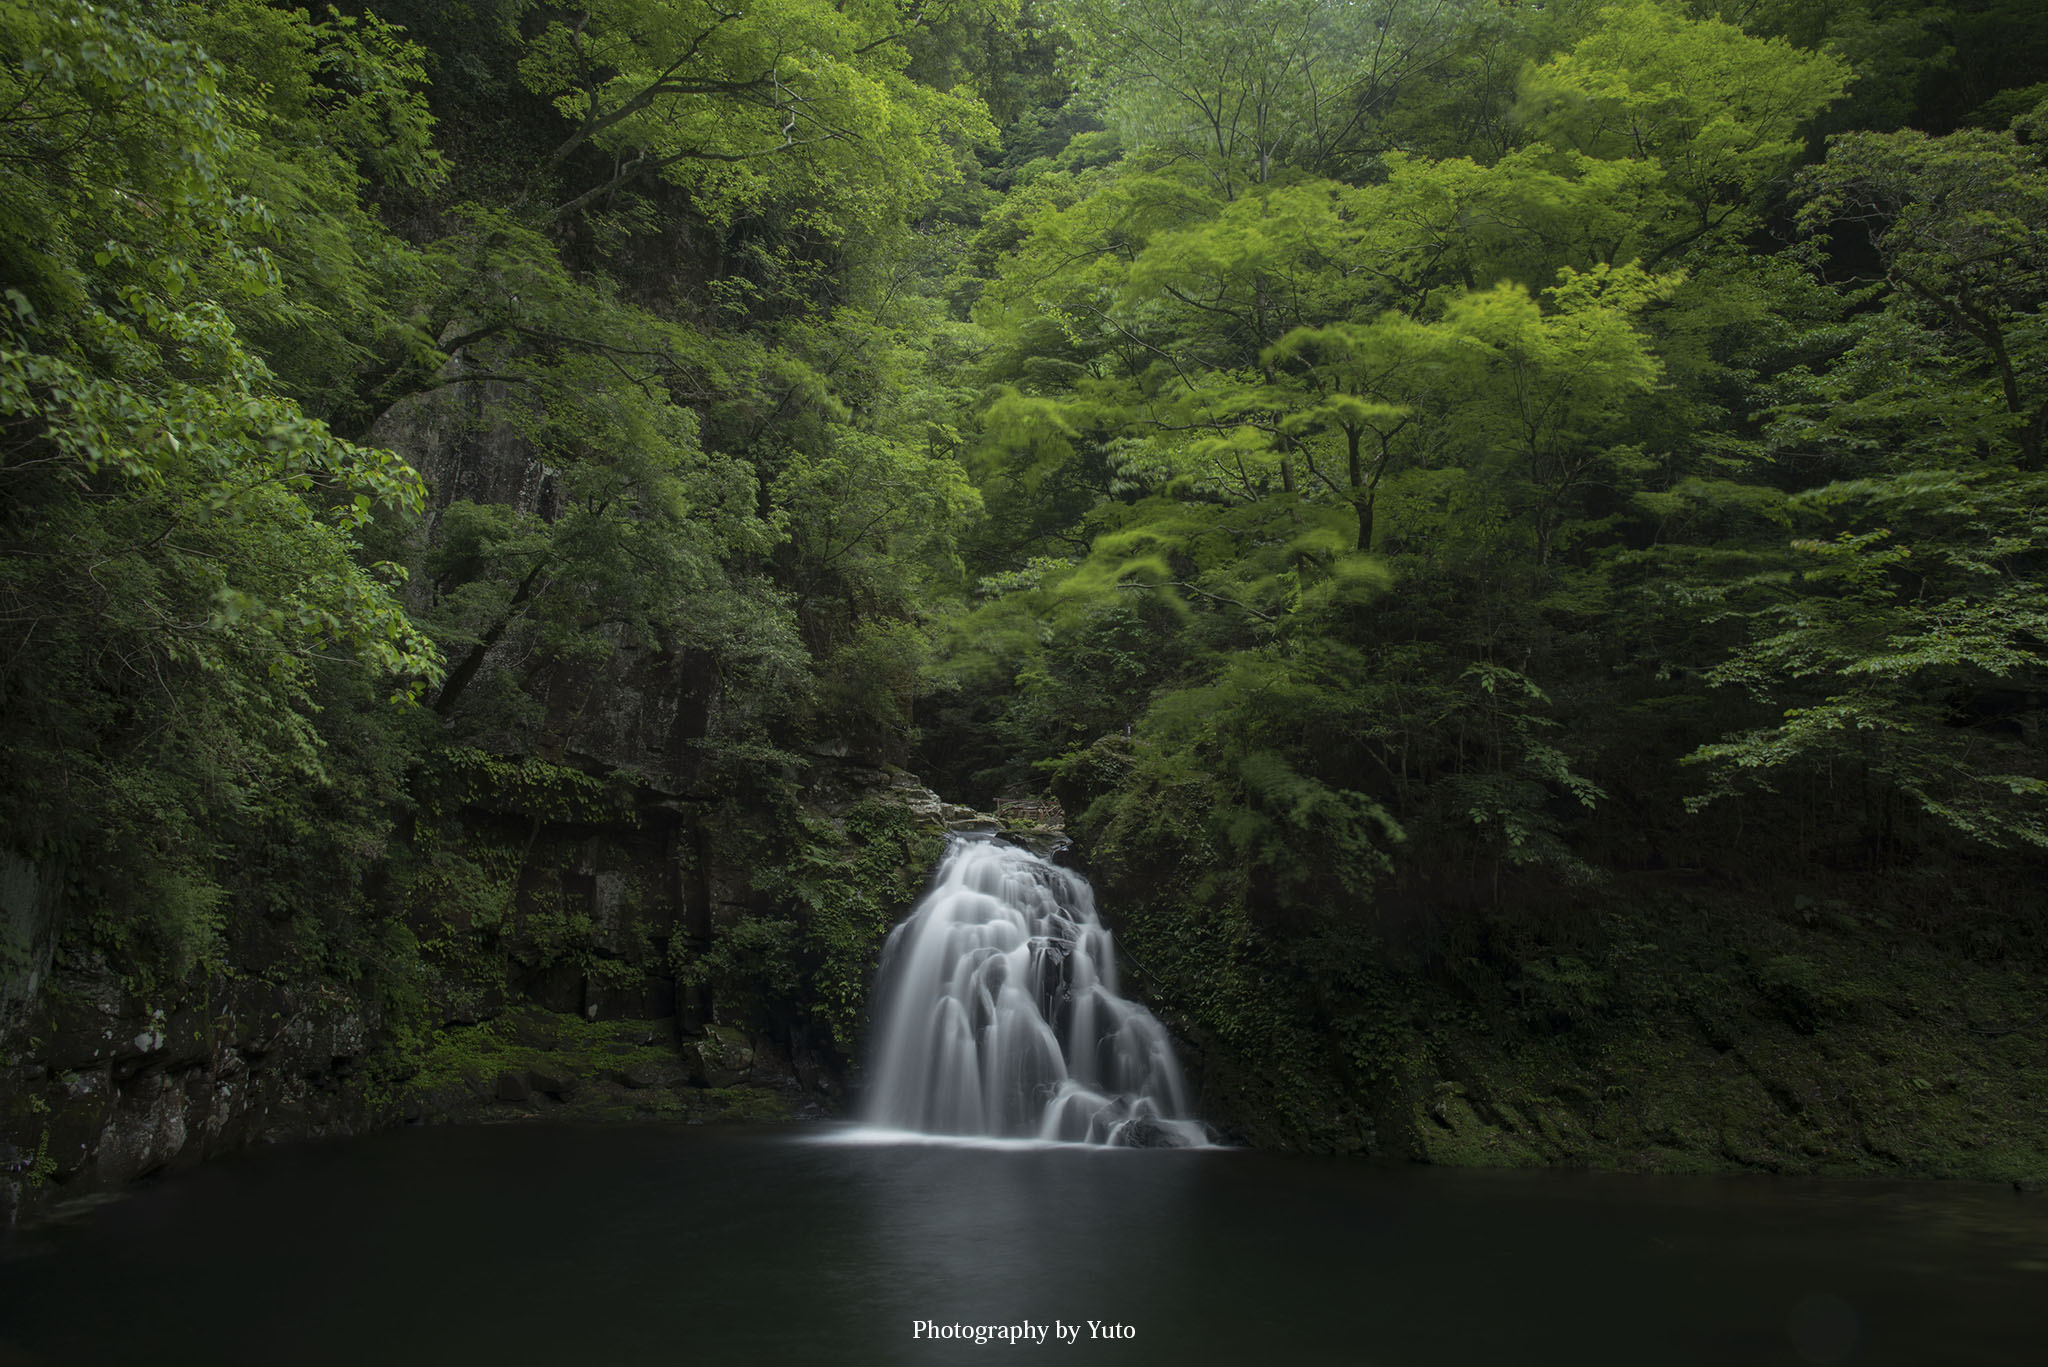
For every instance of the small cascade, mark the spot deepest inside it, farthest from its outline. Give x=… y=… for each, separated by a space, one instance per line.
x=998 y=1015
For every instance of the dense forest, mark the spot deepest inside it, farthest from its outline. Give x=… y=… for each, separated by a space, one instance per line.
x=1516 y=533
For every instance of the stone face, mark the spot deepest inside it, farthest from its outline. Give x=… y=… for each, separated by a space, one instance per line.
x=813 y=1074
x=79 y=1106
x=147 y=1130
x=560 y=1086
x=653 y=996
x=1143 y=1132
x=125 y=1087
x=28 y=914
x=722 y=1058
x=85 y=1022
x=652 y=1073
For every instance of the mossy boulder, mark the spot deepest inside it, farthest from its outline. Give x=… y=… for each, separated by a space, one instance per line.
x=723 y=1057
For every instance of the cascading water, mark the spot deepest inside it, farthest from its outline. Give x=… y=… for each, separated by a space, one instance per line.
x=999 y=1015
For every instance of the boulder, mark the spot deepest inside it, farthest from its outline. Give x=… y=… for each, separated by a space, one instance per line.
x=1145 y=1132
x=652 y=1073
x=722 y=1058
x=560 y=1086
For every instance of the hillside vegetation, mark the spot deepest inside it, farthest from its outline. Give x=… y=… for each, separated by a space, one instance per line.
x=1517 y=533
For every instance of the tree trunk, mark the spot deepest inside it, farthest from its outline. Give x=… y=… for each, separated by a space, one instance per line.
x=1361 y=492
x=459 y=677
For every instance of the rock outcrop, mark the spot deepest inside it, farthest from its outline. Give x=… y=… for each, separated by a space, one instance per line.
x=572 y=1009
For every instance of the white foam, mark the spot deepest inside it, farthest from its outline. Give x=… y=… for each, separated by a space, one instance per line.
x=999 y=1017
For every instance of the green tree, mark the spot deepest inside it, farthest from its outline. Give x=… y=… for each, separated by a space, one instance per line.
x=1720 y=112
x=792 y=99
x=1255 y=90
x=1902 y=639
x=181 y=580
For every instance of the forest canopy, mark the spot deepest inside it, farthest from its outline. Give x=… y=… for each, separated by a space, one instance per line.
x=1349 y=451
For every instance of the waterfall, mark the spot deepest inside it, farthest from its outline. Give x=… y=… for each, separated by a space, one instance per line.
x=998 y=1015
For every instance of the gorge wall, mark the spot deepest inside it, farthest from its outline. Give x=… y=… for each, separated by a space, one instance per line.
x=631 y=973
x=567 y=909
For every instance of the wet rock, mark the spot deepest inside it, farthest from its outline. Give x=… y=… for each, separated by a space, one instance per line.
x=922 y=803
x=557 y=987
x=652 y=1073
x=560 y=1086
x=660 y=1031
x=512 y=1087
x=440 y=1105
x=187 y=1038
x=345 y=1038
x=1064 y=855
x=812 y=1075
x=147 y=1130
x=29 y=895
x=652 y=996
x=85 y=1024
x=1143 y=1132
x=722 y=1058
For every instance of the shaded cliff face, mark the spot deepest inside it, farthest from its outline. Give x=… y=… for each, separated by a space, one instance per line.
x=565 y=913
x=507 y=583
x=1659 y=1023
x=29 y=893
x=575 y=974
x=105 y=1087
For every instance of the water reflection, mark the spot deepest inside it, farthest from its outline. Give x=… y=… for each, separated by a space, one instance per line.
x=976 y=1235
x=514 y=1246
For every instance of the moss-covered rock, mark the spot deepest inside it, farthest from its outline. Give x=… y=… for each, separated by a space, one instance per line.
x=1701 y=1028
x=532 y=1063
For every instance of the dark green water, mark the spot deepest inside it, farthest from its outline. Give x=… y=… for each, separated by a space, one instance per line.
x=536 y=1245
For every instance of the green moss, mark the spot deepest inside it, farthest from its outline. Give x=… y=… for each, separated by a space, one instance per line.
x=837 y=885
x=1691 y=1033
x=528 y=1039
x=1450 y=1132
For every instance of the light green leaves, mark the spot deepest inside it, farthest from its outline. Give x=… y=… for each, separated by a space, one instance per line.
x=798 y=102
x=133 y=373
x=1255 y=90
x=1961 y=223
x=1717 y=109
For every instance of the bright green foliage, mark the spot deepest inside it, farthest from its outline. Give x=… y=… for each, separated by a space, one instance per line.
x=1961 y=224
x=1562 y=379
x=1718 y=111
x=181 y=540
x=322 y=110
x=1259 y=362
x=1409 y=477
x=1900 y=640
x=1907 y=693
x=792 y=100
x=1388 y=465
x=1255 y=90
